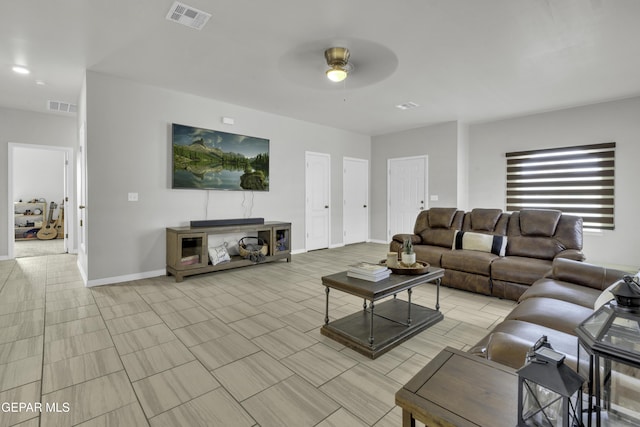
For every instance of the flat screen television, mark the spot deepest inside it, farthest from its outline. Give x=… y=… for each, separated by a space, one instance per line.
x=208 y=159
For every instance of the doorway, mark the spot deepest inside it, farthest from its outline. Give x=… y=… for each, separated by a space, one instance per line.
x=407 y=191
x=318 y=195
x=38 y=193
x=355 y=185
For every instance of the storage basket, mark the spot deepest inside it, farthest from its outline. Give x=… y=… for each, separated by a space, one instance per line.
x=248 y=246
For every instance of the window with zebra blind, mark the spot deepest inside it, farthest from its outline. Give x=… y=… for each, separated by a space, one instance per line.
x=575 y=180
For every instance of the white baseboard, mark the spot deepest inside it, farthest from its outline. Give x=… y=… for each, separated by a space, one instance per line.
x=337 y=245
x=383 y=242
x=4 y=258
x=125 y=278
x=83 y=273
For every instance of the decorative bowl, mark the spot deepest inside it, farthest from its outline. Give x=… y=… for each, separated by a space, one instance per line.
x=420 y=267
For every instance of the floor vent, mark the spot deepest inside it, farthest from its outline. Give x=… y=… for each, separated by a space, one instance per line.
x=61 y=106
x=187 y=15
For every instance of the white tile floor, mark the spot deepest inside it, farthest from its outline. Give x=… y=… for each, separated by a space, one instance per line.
x=234 y=348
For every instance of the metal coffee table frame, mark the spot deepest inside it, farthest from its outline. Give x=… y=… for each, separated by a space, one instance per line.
x=395 y=320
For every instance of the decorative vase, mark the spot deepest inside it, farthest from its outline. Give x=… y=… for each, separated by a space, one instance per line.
x=408 y=259
x=408 y=256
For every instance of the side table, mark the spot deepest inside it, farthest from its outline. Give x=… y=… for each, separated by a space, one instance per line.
x=457 y=389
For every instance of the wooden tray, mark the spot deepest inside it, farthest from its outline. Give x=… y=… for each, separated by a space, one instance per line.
x=421 y=269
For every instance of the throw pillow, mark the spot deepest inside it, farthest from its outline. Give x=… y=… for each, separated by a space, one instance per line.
x=219 y=254
x=468 y=240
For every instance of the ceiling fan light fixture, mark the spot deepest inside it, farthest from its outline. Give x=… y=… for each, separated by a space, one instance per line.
x=337 y=58
x=336 y=74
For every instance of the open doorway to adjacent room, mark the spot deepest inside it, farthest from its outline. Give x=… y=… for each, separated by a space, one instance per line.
x=38 y=189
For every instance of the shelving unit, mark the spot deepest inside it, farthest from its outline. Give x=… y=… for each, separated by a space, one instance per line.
x=188 y=254
x=26 y=218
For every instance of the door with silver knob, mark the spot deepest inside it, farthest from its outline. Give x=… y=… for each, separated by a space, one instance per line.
x=318 y=196
x=355 y=180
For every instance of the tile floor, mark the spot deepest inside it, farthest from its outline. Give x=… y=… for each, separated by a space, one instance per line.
x=236 y=348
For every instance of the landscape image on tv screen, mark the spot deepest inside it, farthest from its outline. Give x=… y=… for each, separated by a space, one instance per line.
x=213 y=160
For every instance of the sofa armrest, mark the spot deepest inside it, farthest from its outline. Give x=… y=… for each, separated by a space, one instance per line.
x=507 y=349
x=573 y=254
x=584 y=274
x=415 y=239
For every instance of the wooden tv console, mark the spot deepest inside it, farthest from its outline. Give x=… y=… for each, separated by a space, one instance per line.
x=188 y=254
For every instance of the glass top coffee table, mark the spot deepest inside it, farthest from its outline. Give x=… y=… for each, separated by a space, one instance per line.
x=380 y=327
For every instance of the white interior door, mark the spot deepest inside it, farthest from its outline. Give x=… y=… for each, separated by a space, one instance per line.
x=318 y=195
x=355 y=185
x=50 y=163
x=406 y=193
x=83 y=255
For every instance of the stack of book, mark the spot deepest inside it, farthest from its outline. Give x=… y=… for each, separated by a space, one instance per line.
x=368 y=271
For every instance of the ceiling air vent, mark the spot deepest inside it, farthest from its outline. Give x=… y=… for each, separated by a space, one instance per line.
x=61 y=106
x=187 y=15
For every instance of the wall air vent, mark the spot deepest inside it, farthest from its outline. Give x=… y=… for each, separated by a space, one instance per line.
x=61 y=106
x=187 y=15
x=407 y=106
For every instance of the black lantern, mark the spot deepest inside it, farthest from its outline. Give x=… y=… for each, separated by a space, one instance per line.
x=611 y=336
x=549 y=392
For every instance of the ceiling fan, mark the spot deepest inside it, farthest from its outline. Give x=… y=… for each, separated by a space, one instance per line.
x=338 y=59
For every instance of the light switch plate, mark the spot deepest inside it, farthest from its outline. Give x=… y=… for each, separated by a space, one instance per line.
x=433 y=198
x=133 y=197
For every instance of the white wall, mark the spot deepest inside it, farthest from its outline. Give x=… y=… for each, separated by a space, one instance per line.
x=128 y=149
x=617 y=121
x=463 y=167
x=25 y=127
x=439 y=142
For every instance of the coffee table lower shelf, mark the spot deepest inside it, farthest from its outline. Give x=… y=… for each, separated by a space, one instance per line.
x=389 y=326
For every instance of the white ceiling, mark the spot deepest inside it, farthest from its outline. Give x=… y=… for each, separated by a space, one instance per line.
x=467 y=60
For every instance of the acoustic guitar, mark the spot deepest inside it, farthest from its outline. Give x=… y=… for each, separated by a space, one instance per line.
x=59 y=225
x=48 y=231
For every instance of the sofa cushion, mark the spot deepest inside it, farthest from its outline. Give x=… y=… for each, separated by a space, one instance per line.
x=538 y=222
x=519 y=269
x=552 y=313
x=437 y=237
x=468 y=261
x=480 y=242
x=430 y=254
x=485 y=219
x=441 y=217
x=565 y=291
x=534 y=247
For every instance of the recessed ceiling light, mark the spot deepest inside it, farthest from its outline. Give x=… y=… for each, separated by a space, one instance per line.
x=40 y=82
x=20 y=69
x=407 y=105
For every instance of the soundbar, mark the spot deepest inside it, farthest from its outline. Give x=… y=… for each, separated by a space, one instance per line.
x=223 y=222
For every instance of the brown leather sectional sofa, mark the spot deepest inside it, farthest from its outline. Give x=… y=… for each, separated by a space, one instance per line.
x=534 y=239
x=553 y=306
